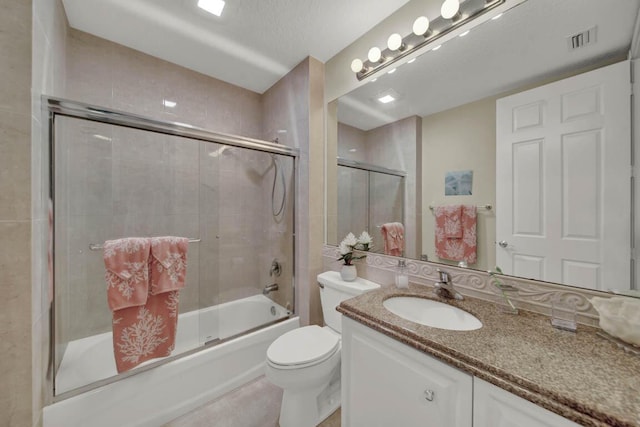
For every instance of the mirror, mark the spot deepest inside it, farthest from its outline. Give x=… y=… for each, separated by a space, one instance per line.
x=441 y=132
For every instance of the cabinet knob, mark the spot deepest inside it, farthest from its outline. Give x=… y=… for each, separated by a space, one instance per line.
x=429 y=395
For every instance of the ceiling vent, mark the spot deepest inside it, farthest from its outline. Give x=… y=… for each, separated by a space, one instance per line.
x=582 y=39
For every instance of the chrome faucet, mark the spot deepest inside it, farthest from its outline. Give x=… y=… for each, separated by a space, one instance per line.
x=444 y=288
x=270 y=288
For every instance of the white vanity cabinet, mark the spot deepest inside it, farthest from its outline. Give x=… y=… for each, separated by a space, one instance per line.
x=386 y=383
x=493 y=406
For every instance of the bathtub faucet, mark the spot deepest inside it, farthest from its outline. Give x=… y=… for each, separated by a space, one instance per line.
x=270 y=288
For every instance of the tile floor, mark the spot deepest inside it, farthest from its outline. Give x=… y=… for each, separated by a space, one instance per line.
x=256 y=404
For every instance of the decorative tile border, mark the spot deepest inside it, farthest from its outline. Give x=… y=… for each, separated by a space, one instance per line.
x=532 y=295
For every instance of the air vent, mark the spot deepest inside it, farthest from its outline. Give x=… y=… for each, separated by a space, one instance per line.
x=582 y=39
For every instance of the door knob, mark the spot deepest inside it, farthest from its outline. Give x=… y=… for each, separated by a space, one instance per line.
x=503 y=243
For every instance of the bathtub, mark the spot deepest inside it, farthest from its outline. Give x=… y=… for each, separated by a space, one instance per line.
x=157 y=395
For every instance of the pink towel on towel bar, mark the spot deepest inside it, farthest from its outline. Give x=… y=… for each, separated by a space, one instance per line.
x=145 y=332
x=144 y=327
x=393 y=238
x=451 y=219
x=168 y=263
x=458 y=249
x=127 y=264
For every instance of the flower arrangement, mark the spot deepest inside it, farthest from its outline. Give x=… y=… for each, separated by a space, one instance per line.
x=350 y=243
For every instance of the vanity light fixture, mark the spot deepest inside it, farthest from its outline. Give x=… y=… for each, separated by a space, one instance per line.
x=395 y=42
x=454 y=14
x=450 y=9
x=374 y=55
x=212 y=6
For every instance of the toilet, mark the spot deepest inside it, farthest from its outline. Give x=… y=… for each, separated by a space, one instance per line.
x=305 y=362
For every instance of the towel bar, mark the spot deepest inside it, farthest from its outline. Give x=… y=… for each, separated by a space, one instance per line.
x=99 y=246
x=487 y=207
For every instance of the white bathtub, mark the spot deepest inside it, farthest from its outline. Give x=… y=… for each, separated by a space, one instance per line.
x=162 y=393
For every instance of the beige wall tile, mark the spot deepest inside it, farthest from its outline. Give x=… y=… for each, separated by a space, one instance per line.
x=15 y=166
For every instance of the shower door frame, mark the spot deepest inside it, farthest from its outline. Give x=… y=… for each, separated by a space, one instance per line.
x=53 y=107
x=368 y=167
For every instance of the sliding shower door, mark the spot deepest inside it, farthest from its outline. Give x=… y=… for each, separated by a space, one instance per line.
x=235 y=204
x=368 y=197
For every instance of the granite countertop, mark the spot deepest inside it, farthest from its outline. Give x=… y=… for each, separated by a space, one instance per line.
x=580 y=376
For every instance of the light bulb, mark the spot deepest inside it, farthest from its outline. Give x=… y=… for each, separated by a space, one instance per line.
x=450 y=9
x=356 y=65
x=374 y=54
x=421 y=26
x=394 y=42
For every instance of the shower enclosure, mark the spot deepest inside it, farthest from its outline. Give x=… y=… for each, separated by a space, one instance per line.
x=368 y=196
x=115 y=175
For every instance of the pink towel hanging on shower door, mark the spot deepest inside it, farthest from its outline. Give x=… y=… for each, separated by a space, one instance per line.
x=393 y=238
x=144 y=327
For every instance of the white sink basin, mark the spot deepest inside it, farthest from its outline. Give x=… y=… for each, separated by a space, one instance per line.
x=432 y=313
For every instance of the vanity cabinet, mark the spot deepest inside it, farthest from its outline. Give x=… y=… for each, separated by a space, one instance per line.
x=386 y=383
x=493 y=406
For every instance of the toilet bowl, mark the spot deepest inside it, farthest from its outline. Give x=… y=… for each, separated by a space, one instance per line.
x=305 y=362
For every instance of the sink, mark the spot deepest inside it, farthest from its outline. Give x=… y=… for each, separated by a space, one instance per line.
x=432 y=313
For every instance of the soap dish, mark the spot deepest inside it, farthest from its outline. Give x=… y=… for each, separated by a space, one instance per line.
x=619 y=317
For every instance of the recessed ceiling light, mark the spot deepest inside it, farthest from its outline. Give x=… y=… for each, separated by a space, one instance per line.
x=212 y=6
x=437 y=47
x=411 y=60
x=386 y=99
x=464 y=34
x=497 y=16
x=373 y=80
x=168 y=103
x=392 y=71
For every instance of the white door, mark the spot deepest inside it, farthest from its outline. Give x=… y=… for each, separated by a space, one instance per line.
x=563 y=181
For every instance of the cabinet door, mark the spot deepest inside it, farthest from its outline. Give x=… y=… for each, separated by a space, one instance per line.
x=386 y=383
x=495 y=407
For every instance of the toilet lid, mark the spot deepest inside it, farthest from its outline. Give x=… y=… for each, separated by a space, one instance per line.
x=303 y=346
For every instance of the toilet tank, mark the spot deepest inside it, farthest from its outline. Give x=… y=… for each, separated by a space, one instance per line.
x=334 y=290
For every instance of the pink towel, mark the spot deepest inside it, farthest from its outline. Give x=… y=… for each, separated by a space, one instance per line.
x=168 y=263
x=145 y=332
x=393 y=238
x=458 y=249
x=145 y=323
x=451 y=219
x=127 y=276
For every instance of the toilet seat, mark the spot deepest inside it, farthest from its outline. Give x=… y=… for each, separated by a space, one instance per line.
x=302 y=347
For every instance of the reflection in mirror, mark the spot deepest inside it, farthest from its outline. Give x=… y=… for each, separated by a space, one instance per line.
x=368 y=197
x=530 y=98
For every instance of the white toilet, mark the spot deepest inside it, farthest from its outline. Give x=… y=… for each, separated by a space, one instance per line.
x=306 y=362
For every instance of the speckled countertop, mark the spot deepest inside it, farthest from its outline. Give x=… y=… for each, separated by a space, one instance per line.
x=580 y=376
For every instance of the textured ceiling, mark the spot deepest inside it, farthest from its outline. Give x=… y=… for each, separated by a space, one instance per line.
x=253 y=44
x=527 y=45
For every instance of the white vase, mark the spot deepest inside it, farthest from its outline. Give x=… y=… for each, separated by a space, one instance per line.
x=348 y=273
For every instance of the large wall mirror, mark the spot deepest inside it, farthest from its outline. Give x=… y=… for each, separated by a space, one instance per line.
x=522 y=119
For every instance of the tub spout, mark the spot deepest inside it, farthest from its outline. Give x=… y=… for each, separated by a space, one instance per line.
x=270 y=288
